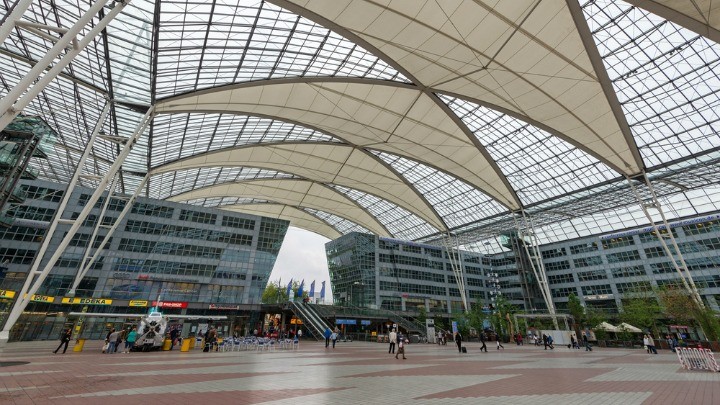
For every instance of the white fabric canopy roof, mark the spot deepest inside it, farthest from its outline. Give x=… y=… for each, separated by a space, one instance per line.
x=411 y=119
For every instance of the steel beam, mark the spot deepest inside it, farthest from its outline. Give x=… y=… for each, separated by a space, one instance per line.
x=12 y=104
x=35 y=278
x=685 y=277
x=13 y=18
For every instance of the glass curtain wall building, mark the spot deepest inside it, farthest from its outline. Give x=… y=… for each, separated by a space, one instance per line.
x=201 y=258
x=601 y=270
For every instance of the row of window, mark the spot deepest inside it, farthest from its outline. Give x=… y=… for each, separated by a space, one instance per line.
x=154 y=228
x=412 y=274
x=163 y=267
x=169 y=248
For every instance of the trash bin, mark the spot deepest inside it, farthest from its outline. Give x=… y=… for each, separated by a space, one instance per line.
x=186 y=344
x=79 y=345
x=167 y=345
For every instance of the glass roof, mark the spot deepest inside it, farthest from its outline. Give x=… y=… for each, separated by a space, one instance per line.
x=538 y=165
x=208 y=44
x=664 y=76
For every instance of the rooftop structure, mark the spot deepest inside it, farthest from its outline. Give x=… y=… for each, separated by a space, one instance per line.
x=410 y=120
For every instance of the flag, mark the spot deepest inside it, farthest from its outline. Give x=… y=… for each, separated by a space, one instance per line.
x=289 y=288
x=322 y=291
x=312 y=289
x=300 y=289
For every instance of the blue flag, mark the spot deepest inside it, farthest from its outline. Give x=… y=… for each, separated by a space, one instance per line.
x=322 y=291
x=300 y=289
x=289 y=288
x=312 y=289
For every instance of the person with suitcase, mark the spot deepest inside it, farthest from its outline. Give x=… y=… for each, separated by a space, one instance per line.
x=458 y=341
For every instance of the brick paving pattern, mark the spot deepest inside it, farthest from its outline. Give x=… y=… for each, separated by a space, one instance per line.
x=353 y=373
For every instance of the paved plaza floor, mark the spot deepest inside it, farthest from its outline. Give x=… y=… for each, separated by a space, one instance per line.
x=352 y=373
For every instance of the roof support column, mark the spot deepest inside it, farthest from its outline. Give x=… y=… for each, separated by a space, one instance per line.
x=680 y=267
x=36 y=277
x=457 y=267
x=531 y=245
x=30 y=86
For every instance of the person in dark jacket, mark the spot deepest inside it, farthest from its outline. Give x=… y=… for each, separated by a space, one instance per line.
x=458 y=341
x=482 y=340
x=327 y=337
x=64 y=340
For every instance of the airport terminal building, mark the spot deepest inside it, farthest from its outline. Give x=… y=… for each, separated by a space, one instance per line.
x=195 y=260
x=371 y=271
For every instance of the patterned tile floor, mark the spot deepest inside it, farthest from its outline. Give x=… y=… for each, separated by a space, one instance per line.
x=352 y=373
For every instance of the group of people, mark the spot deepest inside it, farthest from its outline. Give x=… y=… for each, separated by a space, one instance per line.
x=115 y=338
x=331 y=336
x=649 y=344
x=399 y=341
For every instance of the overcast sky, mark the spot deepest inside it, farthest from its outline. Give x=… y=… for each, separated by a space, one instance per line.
x=302 y=256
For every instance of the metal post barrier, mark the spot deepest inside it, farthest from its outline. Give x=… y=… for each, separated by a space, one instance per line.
x=697 y=359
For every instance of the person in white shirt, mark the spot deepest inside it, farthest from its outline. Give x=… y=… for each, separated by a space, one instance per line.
x=393 y=338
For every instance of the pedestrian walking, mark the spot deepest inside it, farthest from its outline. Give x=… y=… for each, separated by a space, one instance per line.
x=458 y=341
x=334 y=338
x=482 y=340
x=651 y=344
x=327 y=335
x=112 y=341
x=393 y=339
x=401 y=348
x=130 y=340
x=588 y=348
x=64 y=340
x=499 y=345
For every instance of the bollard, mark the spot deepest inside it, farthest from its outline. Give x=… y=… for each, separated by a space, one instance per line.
x=167 y=345
x=79 y=345
x=186 y=345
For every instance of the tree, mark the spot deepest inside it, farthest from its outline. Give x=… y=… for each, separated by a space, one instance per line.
x=422 y=315
x=641 y=309
x=679 y=306
x=275 y=293
x=577 y=310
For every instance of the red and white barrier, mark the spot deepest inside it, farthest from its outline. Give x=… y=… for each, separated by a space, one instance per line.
x=697 y=359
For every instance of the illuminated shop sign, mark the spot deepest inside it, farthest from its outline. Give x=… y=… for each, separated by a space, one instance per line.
x=170 y=304
x=138 y=303
x=7 y=294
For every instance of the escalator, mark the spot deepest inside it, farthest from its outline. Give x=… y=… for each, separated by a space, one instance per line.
x=315 y=324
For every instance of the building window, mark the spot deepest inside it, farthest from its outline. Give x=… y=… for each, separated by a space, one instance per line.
x=584 y=248
x=198 y=216
x=618 y=242
x=623 y=256
x=588 y=261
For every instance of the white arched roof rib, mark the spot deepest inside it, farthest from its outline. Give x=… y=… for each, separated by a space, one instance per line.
x=395 y=118
x=402 y=223
x=297 y=217
x=458 y=202
x=699 y=16
x=177 y=136
x=341 y=224
x=293 y=192
x=214 y=43
x=666 y=77
x=525 y=56
x=326 y=163
x=538 y=165
x=168 y=184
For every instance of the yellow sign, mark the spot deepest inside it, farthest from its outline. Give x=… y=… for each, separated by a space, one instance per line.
x=296 y=321
x=138 y=303
x=7 y=294
x=87 y=301
x=42 y=298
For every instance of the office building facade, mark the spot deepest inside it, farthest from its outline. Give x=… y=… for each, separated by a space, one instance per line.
x=189 y=257
x=601 y=270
